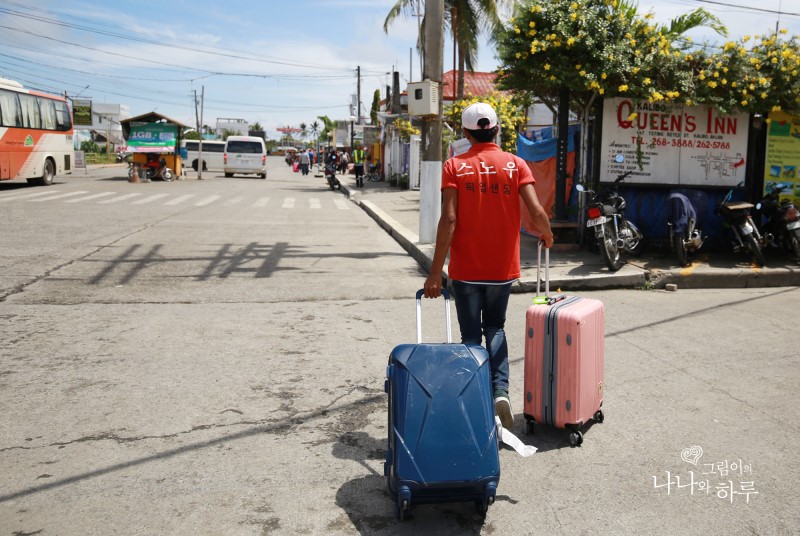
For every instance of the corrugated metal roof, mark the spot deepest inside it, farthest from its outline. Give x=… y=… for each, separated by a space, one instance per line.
x=476 y=84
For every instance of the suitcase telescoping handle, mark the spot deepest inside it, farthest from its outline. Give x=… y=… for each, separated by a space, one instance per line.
x=547 y=299
x=546 y=271
x=446 y=294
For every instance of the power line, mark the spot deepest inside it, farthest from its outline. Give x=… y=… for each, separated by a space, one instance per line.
x=772 y=11
x=160 y=44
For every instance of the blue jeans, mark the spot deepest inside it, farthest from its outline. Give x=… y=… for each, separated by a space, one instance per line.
x=481 y=311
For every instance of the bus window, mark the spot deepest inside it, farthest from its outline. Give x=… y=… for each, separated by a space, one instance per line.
x=30 y=111
x=63 y=118
x=10 y=115
x=48 y=113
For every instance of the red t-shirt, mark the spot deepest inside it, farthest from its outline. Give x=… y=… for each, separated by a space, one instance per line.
x=485 y=244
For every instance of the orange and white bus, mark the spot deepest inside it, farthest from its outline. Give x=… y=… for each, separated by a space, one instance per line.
x=35 y=135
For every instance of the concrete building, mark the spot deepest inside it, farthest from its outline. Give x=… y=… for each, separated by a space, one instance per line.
x=240 y=126
x=105 y=125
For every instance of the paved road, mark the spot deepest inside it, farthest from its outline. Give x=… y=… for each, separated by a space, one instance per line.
x=189 y=365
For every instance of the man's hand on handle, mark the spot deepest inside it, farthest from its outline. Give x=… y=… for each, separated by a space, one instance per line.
x=433 y=286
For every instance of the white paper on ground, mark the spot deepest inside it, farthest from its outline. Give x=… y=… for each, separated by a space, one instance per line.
x=513 y=441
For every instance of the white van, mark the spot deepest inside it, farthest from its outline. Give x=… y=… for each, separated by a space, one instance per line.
x=212 y=154
x=245 y=155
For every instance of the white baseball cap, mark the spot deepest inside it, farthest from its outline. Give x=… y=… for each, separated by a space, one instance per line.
x=472 y=115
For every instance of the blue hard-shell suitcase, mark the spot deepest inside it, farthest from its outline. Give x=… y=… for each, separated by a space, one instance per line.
x=443 y=444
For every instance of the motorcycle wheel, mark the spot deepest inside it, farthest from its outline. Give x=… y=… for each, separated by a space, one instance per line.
x=609 y=249
x=755 y=249
x=794 y=245
x=168 y=175
x=635 y=242
x=681 y=252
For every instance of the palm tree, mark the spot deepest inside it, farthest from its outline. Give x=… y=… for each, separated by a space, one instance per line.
x=303 y=131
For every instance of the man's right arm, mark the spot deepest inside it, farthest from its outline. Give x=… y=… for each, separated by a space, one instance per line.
x=541 y=220
x=444 y=237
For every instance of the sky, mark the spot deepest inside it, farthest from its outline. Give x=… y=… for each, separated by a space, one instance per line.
x=276 y=62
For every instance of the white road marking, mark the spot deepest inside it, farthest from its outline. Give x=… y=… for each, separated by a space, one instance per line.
x=207 y=201
x=233 y=201
x=26 y=195
x=341 y=204
x=149 y=199
x=179 y=200
x=288 y=202
x=89 y=197
x=314 y=203
x=262 y=202
x=62 y=196
x=117 y=199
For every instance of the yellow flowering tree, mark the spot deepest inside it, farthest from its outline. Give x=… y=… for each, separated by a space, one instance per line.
x=510 y=115
x=756 y=75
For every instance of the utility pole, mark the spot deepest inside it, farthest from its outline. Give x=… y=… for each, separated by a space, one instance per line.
x=358 y=104
x=430 y=206
x=200 y=129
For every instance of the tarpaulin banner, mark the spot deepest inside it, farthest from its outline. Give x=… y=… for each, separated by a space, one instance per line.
x=153 y=138
x=783 y=155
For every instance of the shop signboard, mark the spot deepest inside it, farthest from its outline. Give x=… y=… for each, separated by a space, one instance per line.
x=783 y=155
x=678 y=145
x=82 y=112
x=153 y=138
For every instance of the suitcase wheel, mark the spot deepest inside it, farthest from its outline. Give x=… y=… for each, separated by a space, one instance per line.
x=599 y=417
x=575 y=439
x=530 y=427
x=482 y=506
x=401 y=509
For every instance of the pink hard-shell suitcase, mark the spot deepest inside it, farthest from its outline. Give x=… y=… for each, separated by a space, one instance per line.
x=564 y=343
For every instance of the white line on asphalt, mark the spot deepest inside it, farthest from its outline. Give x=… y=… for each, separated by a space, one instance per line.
x=26 y=195
x=207 y=201
x=179 y=200
x=314 y=203
x=341 y=204
x=89 y=197
x=288 y=202
x=262 y=202
x=149 y=199
x=233 y=201
x=70 y=194
x=117 y=199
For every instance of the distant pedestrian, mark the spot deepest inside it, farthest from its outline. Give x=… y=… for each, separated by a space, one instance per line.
x=304 y=161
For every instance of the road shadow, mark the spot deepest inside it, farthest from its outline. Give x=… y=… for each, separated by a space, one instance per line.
x=370 y=509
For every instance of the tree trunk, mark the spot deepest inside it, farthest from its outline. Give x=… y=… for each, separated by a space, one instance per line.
x=462 y=60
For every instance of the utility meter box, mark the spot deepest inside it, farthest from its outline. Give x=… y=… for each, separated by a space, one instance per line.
x=423 y=98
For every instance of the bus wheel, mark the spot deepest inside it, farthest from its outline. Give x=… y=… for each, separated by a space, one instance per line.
x=48 y=174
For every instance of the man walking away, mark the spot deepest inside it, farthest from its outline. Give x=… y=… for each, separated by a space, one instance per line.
x=304 y=161
x=358 y=166
x=480 y=227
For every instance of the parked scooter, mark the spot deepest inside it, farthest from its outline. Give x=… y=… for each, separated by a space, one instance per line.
x=330 y=175
x=605 y=213
x=684 y=236
x=745 y=235
x=782 y=220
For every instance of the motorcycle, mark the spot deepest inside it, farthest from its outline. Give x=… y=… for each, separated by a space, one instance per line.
x=605 y=213
x=152 y=171
x=330 y=176
x=684 y=236
x=737 y=218
x=782 y=220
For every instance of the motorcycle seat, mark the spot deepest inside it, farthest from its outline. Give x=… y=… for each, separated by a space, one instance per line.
x=737 y=205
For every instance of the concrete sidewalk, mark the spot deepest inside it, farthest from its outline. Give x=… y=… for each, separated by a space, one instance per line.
x=573 y=269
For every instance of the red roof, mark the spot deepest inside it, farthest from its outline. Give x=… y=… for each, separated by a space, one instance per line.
x=476 y=84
